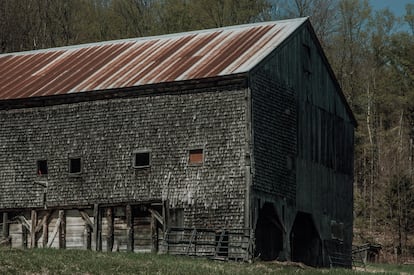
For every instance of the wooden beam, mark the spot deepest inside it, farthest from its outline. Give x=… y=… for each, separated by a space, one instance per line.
x=25 y=231
x=55 y=231
x=33 y=218
x=6 y=228
x=110 y=236
x=62 y=229
x=130 y=227
x=45 y=226
x=154 y=233
x=88 y=238
x=96 y=227
x=86 y=218
x=89 y=228
x=156 y=215
x=25 y=223
x=45 y=219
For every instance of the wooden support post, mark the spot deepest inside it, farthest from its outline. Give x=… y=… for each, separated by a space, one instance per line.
x=45 y=232
x=88 y=237
x=154 y=233
x=164 y=224
x=130 y=228
x=6 y=227
x=33 y=218
x=110 y=237
x=24 y=236
x=62 y=229
x=88 y=227
x=96 y=227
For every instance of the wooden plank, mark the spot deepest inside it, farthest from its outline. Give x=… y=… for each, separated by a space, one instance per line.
x=110 y=236
x=130 y=228
x=54 y=233
x=86 y=218
x=40 y=225
x=62 y=229
x=89 y=228
x=6 y=228
x=25 y=223
x=164 y=215
x=24 y=235
x=156 y=215
x=32 y=232
x=45 y=226
x=154 y=233
x=96 y=228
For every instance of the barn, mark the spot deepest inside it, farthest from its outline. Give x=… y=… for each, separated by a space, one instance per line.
x=234 y=142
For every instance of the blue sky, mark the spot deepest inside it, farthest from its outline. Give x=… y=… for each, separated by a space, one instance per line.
x=396 y=6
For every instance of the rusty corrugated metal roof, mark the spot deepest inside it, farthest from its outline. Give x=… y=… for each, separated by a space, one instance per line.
x=135 y=62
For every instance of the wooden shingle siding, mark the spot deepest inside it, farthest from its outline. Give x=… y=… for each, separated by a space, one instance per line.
x=274 y=137
x=105 y=134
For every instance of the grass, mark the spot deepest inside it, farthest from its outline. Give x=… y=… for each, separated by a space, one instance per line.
x=53 y=261
x=393 y=268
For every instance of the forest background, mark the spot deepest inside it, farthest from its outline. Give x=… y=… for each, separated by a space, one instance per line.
x=371 y=53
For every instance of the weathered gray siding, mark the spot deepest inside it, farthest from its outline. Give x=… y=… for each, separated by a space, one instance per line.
x=311 y=121
x=105 y=134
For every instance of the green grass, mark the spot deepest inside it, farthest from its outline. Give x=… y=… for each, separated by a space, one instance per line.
x=393 y=268
x=53 y=261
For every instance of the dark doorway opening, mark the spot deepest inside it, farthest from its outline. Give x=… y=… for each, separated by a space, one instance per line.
x=268 y=234
x=305 y=241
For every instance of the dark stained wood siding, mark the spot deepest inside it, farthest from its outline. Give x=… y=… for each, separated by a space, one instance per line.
x=323 y=138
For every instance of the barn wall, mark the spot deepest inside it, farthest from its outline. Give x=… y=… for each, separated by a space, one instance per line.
x=105 y=134
x=274 y=137
x=318 y=132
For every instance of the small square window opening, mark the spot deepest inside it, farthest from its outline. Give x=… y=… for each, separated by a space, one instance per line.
x=196 y=156
x=141 y=159
x=75 y=165
x=42 y=167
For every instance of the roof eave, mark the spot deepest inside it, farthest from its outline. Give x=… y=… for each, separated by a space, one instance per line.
x=224 y=82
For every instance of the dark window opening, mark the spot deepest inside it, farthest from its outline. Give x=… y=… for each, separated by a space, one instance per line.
x=141 y=159
x=75 y=165
x=196 y=156
x=307 y=57
x=42 y=167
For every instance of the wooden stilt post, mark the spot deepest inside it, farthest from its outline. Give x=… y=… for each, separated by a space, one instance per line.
x=88 y=238
x=110 y=237
x=154 y=233
x=96 y=228
x=6 y=227
x=130 y=228
x=33 y=218
x=24 y=236
x=62 y=229
x=45 y=232
x=89 y=228
x=164 y=216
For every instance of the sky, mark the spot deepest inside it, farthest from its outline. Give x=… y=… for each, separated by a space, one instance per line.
x=396 y=6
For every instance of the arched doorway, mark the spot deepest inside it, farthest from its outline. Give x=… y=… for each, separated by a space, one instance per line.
x=268 y=234
x=305 y=241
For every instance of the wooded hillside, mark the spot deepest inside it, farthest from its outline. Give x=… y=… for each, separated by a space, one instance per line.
x=371 y=52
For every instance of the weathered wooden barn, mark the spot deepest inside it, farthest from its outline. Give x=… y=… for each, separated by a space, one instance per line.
x=215 y=141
